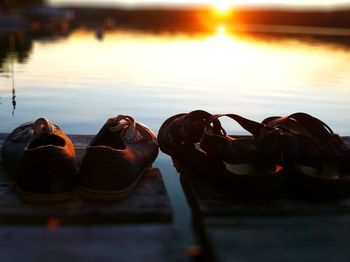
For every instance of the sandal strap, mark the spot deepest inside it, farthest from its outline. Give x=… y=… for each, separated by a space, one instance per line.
x=286 y=125
x=317 y=128
x=188 y=128
x=263 y=147
x=251 y=126
x=309 y=140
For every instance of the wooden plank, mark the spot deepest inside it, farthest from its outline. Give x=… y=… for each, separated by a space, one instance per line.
x=305 y=238
x=146 y=242
x=145 y=232
x=283 y=229
x=207 y=199
x=148 y=203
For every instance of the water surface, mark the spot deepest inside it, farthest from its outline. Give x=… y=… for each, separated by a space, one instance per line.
x=79 y=81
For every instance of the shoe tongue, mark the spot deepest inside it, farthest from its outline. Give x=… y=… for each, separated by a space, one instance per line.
x=43 y=126
x=126 y=126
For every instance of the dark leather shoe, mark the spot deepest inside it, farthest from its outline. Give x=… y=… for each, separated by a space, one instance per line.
x=41 y=159
x=116 y=159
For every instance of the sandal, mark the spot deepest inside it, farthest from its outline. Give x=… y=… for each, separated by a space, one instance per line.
x=250 y=164
x=317 y=159
x=179 y=136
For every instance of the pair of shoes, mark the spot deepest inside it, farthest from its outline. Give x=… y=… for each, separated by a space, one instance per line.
x=299 y=153
x=318 y=160
x=42 y=160
x=245 y=166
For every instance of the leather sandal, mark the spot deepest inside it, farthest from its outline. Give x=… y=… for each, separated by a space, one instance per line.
x=179 y=137
x=316 y=158
x=250 y=164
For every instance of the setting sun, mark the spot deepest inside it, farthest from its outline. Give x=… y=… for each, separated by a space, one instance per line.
x=222 y=7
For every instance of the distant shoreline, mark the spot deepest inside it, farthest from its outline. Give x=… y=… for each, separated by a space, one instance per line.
x=203 y=18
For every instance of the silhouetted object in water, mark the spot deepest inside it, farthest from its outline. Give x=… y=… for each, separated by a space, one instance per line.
x=13 y=100
x=12 y=48
x=17 y=45
x=99 y=33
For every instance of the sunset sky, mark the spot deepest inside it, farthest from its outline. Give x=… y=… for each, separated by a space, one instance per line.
x=301 y=3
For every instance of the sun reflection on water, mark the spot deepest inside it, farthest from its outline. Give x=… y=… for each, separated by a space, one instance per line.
x=221 y=71
x=221 y=31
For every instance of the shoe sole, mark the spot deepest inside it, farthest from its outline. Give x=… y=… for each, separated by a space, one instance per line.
x=110 y=195
x=43 y=198
x=316 y=187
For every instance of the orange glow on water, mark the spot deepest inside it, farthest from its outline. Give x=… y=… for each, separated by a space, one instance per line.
x=223 y=71
x=221 y=31
x=224 y=63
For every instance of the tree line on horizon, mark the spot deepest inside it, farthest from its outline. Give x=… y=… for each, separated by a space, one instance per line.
x=202 y=17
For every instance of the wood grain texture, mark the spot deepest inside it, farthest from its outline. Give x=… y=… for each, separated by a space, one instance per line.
x=208 y=199
x=136 y=242
x=294 y=238
x=283 y=229
x=133 y=229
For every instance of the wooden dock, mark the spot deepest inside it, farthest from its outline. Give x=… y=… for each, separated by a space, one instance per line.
x=284 y=229
x=137 y=227
x=140 y=226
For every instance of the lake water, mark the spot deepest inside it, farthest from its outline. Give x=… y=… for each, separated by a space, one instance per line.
x=80 y=80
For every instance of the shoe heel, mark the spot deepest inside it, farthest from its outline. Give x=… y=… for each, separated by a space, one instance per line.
x=47 y=175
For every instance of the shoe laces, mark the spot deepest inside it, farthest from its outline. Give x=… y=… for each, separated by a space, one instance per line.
x=127 y=126
x=43 y=126
x=40 y=126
